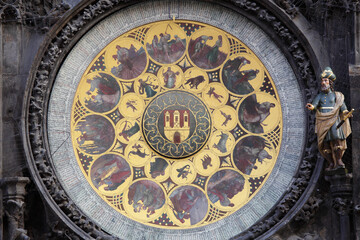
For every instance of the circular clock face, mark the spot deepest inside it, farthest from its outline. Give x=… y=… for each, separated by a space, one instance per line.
x=177 y=120
x=175 y=129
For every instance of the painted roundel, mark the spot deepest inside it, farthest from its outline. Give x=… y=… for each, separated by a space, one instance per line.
x=176 y=124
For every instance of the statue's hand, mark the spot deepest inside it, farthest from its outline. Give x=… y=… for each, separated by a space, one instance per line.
x=310 y=106
x=346 y=112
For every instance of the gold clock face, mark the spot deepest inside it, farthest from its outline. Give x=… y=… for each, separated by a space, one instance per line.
x=176 y=124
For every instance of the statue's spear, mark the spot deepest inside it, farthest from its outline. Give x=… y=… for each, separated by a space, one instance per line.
x=344 y=119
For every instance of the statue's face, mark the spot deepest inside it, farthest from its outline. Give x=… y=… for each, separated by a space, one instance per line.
x=325 y=84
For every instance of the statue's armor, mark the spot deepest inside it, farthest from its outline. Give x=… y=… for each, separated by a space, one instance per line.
x=324 y=102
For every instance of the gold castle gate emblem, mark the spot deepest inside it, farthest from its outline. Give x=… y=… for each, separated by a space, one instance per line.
x=176 y=125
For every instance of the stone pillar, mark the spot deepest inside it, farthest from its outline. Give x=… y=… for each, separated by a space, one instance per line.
x=23 y=25
x=357 y=37
x=10 y=37
x=13 y=189
x=1 y=137
x=341 y=197
x=354 y=72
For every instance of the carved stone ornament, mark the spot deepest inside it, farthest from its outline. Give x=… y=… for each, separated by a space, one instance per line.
x=44 y=72
x=288 y=6
x=342 y=206
x=309 y=210
x=357 y=209
x=13 y=190
x=348 y=5
x=40 y=15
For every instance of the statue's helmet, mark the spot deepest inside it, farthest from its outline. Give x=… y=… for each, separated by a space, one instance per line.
x=328 y=73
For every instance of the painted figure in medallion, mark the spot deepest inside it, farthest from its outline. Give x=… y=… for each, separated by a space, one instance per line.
x=189 y=202
x=137 y=151
x=236 y=80
x=252 y=114
x=170 y=78
x=103 y=94
x=200 y=43
x=131 y=62
x=249 y=151
x=184 y=171
x=158 y=167
x=96 y=134
x=165 y=49
x=221 y=144
x=204 y=55
x=109 y=172
x=128 y=132
x=212 y=92
x=227 y=118
x=224 y=185
x=195 y=81
x=146 y=195
x=332 y=123
x=147 y=87
x=206 y=161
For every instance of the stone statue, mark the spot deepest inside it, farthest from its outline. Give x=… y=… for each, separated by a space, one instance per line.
x=332 y=124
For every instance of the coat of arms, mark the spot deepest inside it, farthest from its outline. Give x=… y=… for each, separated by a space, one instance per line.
x=176 y=124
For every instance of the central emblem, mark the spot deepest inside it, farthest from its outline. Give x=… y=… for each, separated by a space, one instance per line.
x=176 y=124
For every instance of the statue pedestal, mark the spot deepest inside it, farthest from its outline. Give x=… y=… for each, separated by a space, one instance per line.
x=338 y=171
x=341 y=196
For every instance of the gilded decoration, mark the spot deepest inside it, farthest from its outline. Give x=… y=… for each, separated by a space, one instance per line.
x=176 y=124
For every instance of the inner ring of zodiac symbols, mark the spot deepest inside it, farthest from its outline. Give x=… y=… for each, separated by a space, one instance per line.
x=176 y=124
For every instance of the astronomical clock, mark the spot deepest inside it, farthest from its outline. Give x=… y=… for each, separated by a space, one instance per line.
x=176 y=120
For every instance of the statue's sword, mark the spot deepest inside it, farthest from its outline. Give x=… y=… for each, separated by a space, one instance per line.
x=345 y=117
